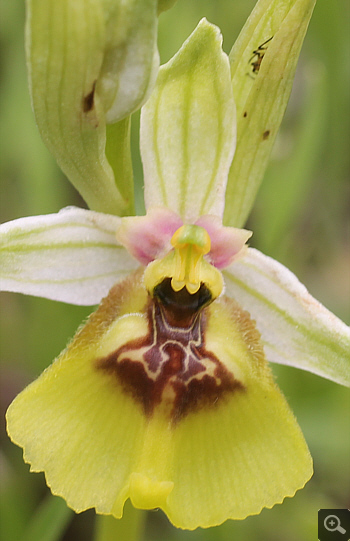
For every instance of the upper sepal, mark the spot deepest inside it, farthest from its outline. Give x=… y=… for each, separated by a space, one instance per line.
x=188 y=129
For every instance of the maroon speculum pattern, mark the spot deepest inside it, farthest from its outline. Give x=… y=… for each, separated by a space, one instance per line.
x=171 y=365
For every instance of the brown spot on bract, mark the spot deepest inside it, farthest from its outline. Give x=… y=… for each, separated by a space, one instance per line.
x=88 y=100
x=266 y=134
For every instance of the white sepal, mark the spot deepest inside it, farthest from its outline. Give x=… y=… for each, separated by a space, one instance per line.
x=72 y=256
x=296 y=329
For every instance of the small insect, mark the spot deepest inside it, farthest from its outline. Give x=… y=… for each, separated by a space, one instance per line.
x=258 y=55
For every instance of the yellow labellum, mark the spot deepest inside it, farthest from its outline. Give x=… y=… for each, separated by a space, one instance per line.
x=136 y=408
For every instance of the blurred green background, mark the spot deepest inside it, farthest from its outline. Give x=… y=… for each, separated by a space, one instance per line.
x=300 y=218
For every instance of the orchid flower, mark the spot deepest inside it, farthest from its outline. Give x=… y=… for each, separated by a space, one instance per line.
x=165 y=396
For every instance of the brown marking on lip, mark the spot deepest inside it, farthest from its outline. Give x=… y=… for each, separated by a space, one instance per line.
x=88 y=100
x=265 y=135
x=245 y=114
x=171 y=366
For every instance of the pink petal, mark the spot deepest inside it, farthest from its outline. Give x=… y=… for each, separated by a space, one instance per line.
x=148 y=237
x=227 y=243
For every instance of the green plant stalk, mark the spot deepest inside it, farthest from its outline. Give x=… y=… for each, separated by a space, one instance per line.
x=129 y=528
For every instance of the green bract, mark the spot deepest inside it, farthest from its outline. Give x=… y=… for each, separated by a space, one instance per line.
x=91 y=63
x=263 y=62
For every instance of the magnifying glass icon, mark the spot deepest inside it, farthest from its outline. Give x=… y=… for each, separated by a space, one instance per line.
x=332 y=524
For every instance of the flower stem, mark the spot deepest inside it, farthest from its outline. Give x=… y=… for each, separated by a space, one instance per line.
x=129 y=528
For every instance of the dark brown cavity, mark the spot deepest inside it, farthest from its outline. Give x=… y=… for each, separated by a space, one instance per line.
x=181 y=307
x=171 y=366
